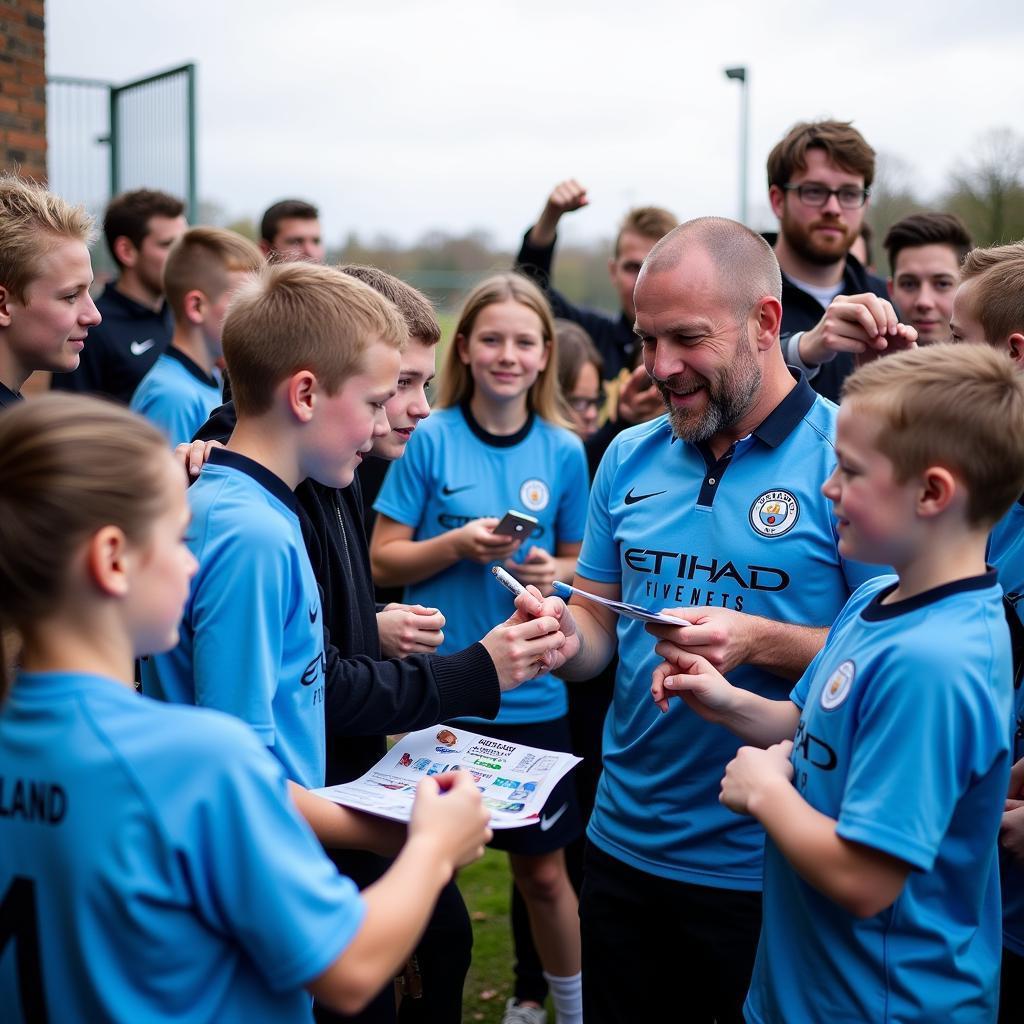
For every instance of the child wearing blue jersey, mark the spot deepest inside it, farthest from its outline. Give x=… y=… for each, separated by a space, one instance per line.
x=881 y=781
x=313 y=356
x=203 y=269
x=498 y=442
x=45 y=273
x=152 y=865
x=988 y=308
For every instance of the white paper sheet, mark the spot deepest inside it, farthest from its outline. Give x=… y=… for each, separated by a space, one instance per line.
x=515 y=779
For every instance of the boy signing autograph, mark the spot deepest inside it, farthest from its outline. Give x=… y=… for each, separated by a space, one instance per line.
x=881 y=897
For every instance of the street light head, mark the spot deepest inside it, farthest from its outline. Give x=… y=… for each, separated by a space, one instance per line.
x=740 y=73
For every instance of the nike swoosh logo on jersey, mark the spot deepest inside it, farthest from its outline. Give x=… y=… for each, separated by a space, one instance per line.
x=140 y=348
x=446 y=490
x=546 y=823
x=632 y=499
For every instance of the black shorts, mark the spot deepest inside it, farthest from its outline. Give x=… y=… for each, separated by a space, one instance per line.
x=560 y=822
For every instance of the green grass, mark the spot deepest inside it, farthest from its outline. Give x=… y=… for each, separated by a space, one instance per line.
x=485 y=888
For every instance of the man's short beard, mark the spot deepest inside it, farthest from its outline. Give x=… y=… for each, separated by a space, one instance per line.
x=729 y=398
x=800 y=240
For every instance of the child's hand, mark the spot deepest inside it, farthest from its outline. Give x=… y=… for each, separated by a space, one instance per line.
x=751 y=771
x=719 y=635
x=692 y=678
x=539 y=570
x=477 y=542
x=194 y=456
x=449 y=811
x=409 y=629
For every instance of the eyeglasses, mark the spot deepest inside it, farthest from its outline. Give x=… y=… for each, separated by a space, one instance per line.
x=582 y=405
x=815 y=194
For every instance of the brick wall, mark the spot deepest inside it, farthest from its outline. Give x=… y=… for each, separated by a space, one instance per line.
x=22 y=87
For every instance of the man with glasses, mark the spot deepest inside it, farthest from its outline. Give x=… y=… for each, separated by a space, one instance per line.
x=834 y=311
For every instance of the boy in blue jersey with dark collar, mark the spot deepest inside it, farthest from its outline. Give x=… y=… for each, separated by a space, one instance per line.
x=881 y=892
x=203 y=269
x=314 y=356
x=988 y=308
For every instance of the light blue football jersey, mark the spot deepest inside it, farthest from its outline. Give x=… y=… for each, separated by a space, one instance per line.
x=152 y=866
x=903 y=741
x=1006 y=553
x=252 y=640
x=177 y=396
x=454 y=471
x=674 y=527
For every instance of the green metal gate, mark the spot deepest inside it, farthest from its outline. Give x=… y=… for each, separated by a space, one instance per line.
x=105 y=138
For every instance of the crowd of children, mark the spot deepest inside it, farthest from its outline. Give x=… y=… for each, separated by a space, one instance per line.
x=162 y=855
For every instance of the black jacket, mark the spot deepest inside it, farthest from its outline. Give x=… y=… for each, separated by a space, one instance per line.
x=121 y=350
x=368 y=698
x=800 y=312
x=612 y=335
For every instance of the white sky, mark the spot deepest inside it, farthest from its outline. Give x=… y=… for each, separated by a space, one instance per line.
x=399 y=116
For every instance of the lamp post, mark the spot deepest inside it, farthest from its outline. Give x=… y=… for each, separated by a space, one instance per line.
x=740 y=75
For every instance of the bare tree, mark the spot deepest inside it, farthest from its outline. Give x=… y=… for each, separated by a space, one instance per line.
x=987 y=190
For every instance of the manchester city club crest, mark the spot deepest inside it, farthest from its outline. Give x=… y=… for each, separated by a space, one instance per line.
x=534 y=495
x=774 y=513
x=838 y=687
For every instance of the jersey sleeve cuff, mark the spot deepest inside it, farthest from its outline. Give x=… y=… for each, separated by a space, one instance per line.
x=887 y=840
x=592 y=572
x=467 y=684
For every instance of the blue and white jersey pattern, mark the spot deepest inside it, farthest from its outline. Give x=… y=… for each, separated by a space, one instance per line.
x=675 y=527
x=177 y=396
x=903 y=741
x=152 y=866
x=453 y=472
x=252 y=641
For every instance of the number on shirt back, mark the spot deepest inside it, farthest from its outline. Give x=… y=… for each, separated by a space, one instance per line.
x=19 y=924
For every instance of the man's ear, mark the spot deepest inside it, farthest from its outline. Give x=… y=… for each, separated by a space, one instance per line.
x=777 y=198
x=106 y=561
x=125 y=252
x=302 y=390
x=769 y=321
x=6 y=300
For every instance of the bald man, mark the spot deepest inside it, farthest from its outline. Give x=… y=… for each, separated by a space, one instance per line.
x=714 y=511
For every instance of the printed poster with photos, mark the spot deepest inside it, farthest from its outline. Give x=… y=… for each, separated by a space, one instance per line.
x=515 y=780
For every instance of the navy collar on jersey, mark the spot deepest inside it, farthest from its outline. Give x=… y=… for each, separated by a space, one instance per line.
x=267 y=480
x=191 y=366
x=8 y=397
x=111 y=294
x=783 y=419
x=496 y=440
x=878 y=612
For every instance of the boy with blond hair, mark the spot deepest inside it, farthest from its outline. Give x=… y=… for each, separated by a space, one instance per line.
x=988 y=308
x=45 y=273
x=203 y=270
x=883 y=808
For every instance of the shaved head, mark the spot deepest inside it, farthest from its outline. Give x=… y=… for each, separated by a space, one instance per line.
x=744 y=261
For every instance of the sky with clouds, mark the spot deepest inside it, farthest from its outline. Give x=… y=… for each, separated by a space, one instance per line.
x=401 y=116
